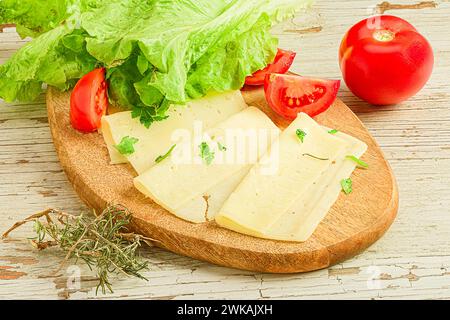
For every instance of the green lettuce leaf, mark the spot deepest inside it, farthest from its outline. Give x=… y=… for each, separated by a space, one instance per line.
x=33 y=17
x=121 y=81
x=226 y=67
x=45 y=60
x=174 y=36
x=57 y=57
x=157 y=52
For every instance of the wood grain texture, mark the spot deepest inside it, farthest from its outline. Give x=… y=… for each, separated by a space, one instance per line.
x=353 y=223
x=412 y=260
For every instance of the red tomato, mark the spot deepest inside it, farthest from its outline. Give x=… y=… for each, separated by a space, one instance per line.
x=384 y=60
x=281 y=64
x=89 y=101
x=288 y=95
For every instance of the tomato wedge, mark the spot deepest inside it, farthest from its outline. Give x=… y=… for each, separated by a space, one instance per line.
x=89 y=101
x=289 y=95
x=281 y=64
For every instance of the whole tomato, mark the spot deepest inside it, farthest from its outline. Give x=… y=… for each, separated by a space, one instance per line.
x=385 y=60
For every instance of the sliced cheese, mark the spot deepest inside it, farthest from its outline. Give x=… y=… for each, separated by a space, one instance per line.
x=205 y=207
x=115 y=156
x=300 y=221
x=261 y=199
x=156 y=140
x=183 y=188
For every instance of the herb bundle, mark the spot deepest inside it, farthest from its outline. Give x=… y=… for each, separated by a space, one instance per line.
x=102 y=242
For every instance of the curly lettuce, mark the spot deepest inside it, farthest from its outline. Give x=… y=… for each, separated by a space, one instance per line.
x=157 y=52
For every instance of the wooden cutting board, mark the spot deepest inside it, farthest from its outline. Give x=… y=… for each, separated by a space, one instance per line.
x=353 y=223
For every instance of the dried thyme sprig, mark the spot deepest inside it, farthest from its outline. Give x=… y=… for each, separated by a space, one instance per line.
x=102 y=242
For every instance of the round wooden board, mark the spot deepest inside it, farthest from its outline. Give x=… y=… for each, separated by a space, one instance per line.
x=353 y=223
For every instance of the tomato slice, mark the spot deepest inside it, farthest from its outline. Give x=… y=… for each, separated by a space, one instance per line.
x=289 y=95
x=89 y=101
x=281 y=64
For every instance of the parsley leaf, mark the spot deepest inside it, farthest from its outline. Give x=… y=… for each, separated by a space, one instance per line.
x=164 y=156
x=359 y=162
x=346 y=185
x=149 y=114
x=300 y=134
x=333 y=131
x=144 y=113
x=126 y=145
x=221 y=147
x=315 y=157
x=205 y=153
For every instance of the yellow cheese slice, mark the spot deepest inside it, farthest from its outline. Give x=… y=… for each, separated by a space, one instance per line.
x=205 y=207
x=115 y=156
x=260 y=199
x=181 y=187
x=156 y=140
x=300 y=221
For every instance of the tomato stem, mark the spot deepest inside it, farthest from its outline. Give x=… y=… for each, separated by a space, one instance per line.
x=383 y=35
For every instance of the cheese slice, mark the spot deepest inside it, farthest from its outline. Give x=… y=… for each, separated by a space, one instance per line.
x=300 y=221
x=261 y=199
x=205 y=207
x=181 y=187
x=156 y=140
x=115 y=156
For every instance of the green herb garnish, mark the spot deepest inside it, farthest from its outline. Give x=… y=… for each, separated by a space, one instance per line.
x=126 y=145
x=149 y=114
x=103 y=242
x=315 y=157
x=346 y=185
x=300 y=134
x=164 y=156
x=333 y=131
x=205 y=153
x=221 y=147
x=359 y=162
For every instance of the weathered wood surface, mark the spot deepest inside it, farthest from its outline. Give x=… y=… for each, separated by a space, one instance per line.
x=411 y=261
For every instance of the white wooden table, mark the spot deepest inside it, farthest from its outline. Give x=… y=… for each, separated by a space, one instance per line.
x=411 y=261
